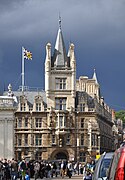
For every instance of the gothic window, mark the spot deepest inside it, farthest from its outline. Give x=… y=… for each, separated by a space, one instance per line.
x=38 y=106
x=38 y=122
x=26 y=139
x=38 y=139
x=60 y=103
x=94 y=140
x=82 y=139
x=60 y=83
x=23 y=107
x=82 y=122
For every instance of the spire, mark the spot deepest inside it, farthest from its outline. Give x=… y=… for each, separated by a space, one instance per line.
x=59 y=57
x=59 y=22
x=95 y=77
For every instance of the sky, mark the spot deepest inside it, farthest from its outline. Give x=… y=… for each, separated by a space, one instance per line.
x=95 y=27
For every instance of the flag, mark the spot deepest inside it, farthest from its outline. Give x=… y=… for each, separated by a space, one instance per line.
x=27 y=54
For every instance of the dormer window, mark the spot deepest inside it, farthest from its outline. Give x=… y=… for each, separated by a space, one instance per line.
x=23 y=107
x=38 y=106
x=82 y=107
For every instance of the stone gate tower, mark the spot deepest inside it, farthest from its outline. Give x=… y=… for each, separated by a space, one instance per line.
x=60 y=75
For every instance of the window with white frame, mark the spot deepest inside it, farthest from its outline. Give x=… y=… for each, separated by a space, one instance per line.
x=23 y=107
x=38 y=122
x=94 y=140
x=38 y=106
x=60 y=103
x=60 y=83
x=62 y=121
x=38 y=139
x=82 y=107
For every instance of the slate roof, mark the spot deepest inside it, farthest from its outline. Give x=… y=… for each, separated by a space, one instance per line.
x=30 y=95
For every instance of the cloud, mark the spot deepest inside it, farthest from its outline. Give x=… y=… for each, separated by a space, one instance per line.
x=95 y=27
x=31 y=18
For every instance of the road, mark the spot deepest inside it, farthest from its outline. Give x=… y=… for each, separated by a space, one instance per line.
x=75 y=177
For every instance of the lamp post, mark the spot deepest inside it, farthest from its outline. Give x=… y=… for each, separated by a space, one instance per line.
x=99 y=144
x=90 y=135
x=77 y=137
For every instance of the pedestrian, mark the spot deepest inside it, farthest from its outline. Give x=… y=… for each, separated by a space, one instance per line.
x=62 y=169
x=14 y=169
x=36 y=169
x=22 y=169
x=31 y=169
x=88 y=175
x=7 y=175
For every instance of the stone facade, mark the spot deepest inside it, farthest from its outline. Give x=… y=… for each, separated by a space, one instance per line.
x=69 y=120
x=7 y=109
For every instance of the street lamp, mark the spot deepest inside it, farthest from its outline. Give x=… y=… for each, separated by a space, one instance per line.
x=99 y=144
x=77 y=136
x=90 y=135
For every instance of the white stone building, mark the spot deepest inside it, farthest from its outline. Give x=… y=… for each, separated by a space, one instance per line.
x=7 y=120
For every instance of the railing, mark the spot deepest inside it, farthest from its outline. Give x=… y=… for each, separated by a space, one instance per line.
x=6 y=101
x=27 y=88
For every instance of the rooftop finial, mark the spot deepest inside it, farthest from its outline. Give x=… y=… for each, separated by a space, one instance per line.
x=59 y=21
x=94 y=76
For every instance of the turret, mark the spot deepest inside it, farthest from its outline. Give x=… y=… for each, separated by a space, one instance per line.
x=71 y=55
x=47 y=68
x=97 y=88
x=59 y=56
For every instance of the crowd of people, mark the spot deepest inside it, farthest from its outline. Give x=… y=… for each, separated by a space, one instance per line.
x=24 y=170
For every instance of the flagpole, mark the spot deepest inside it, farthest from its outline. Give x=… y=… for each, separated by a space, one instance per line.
x=22 y=69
